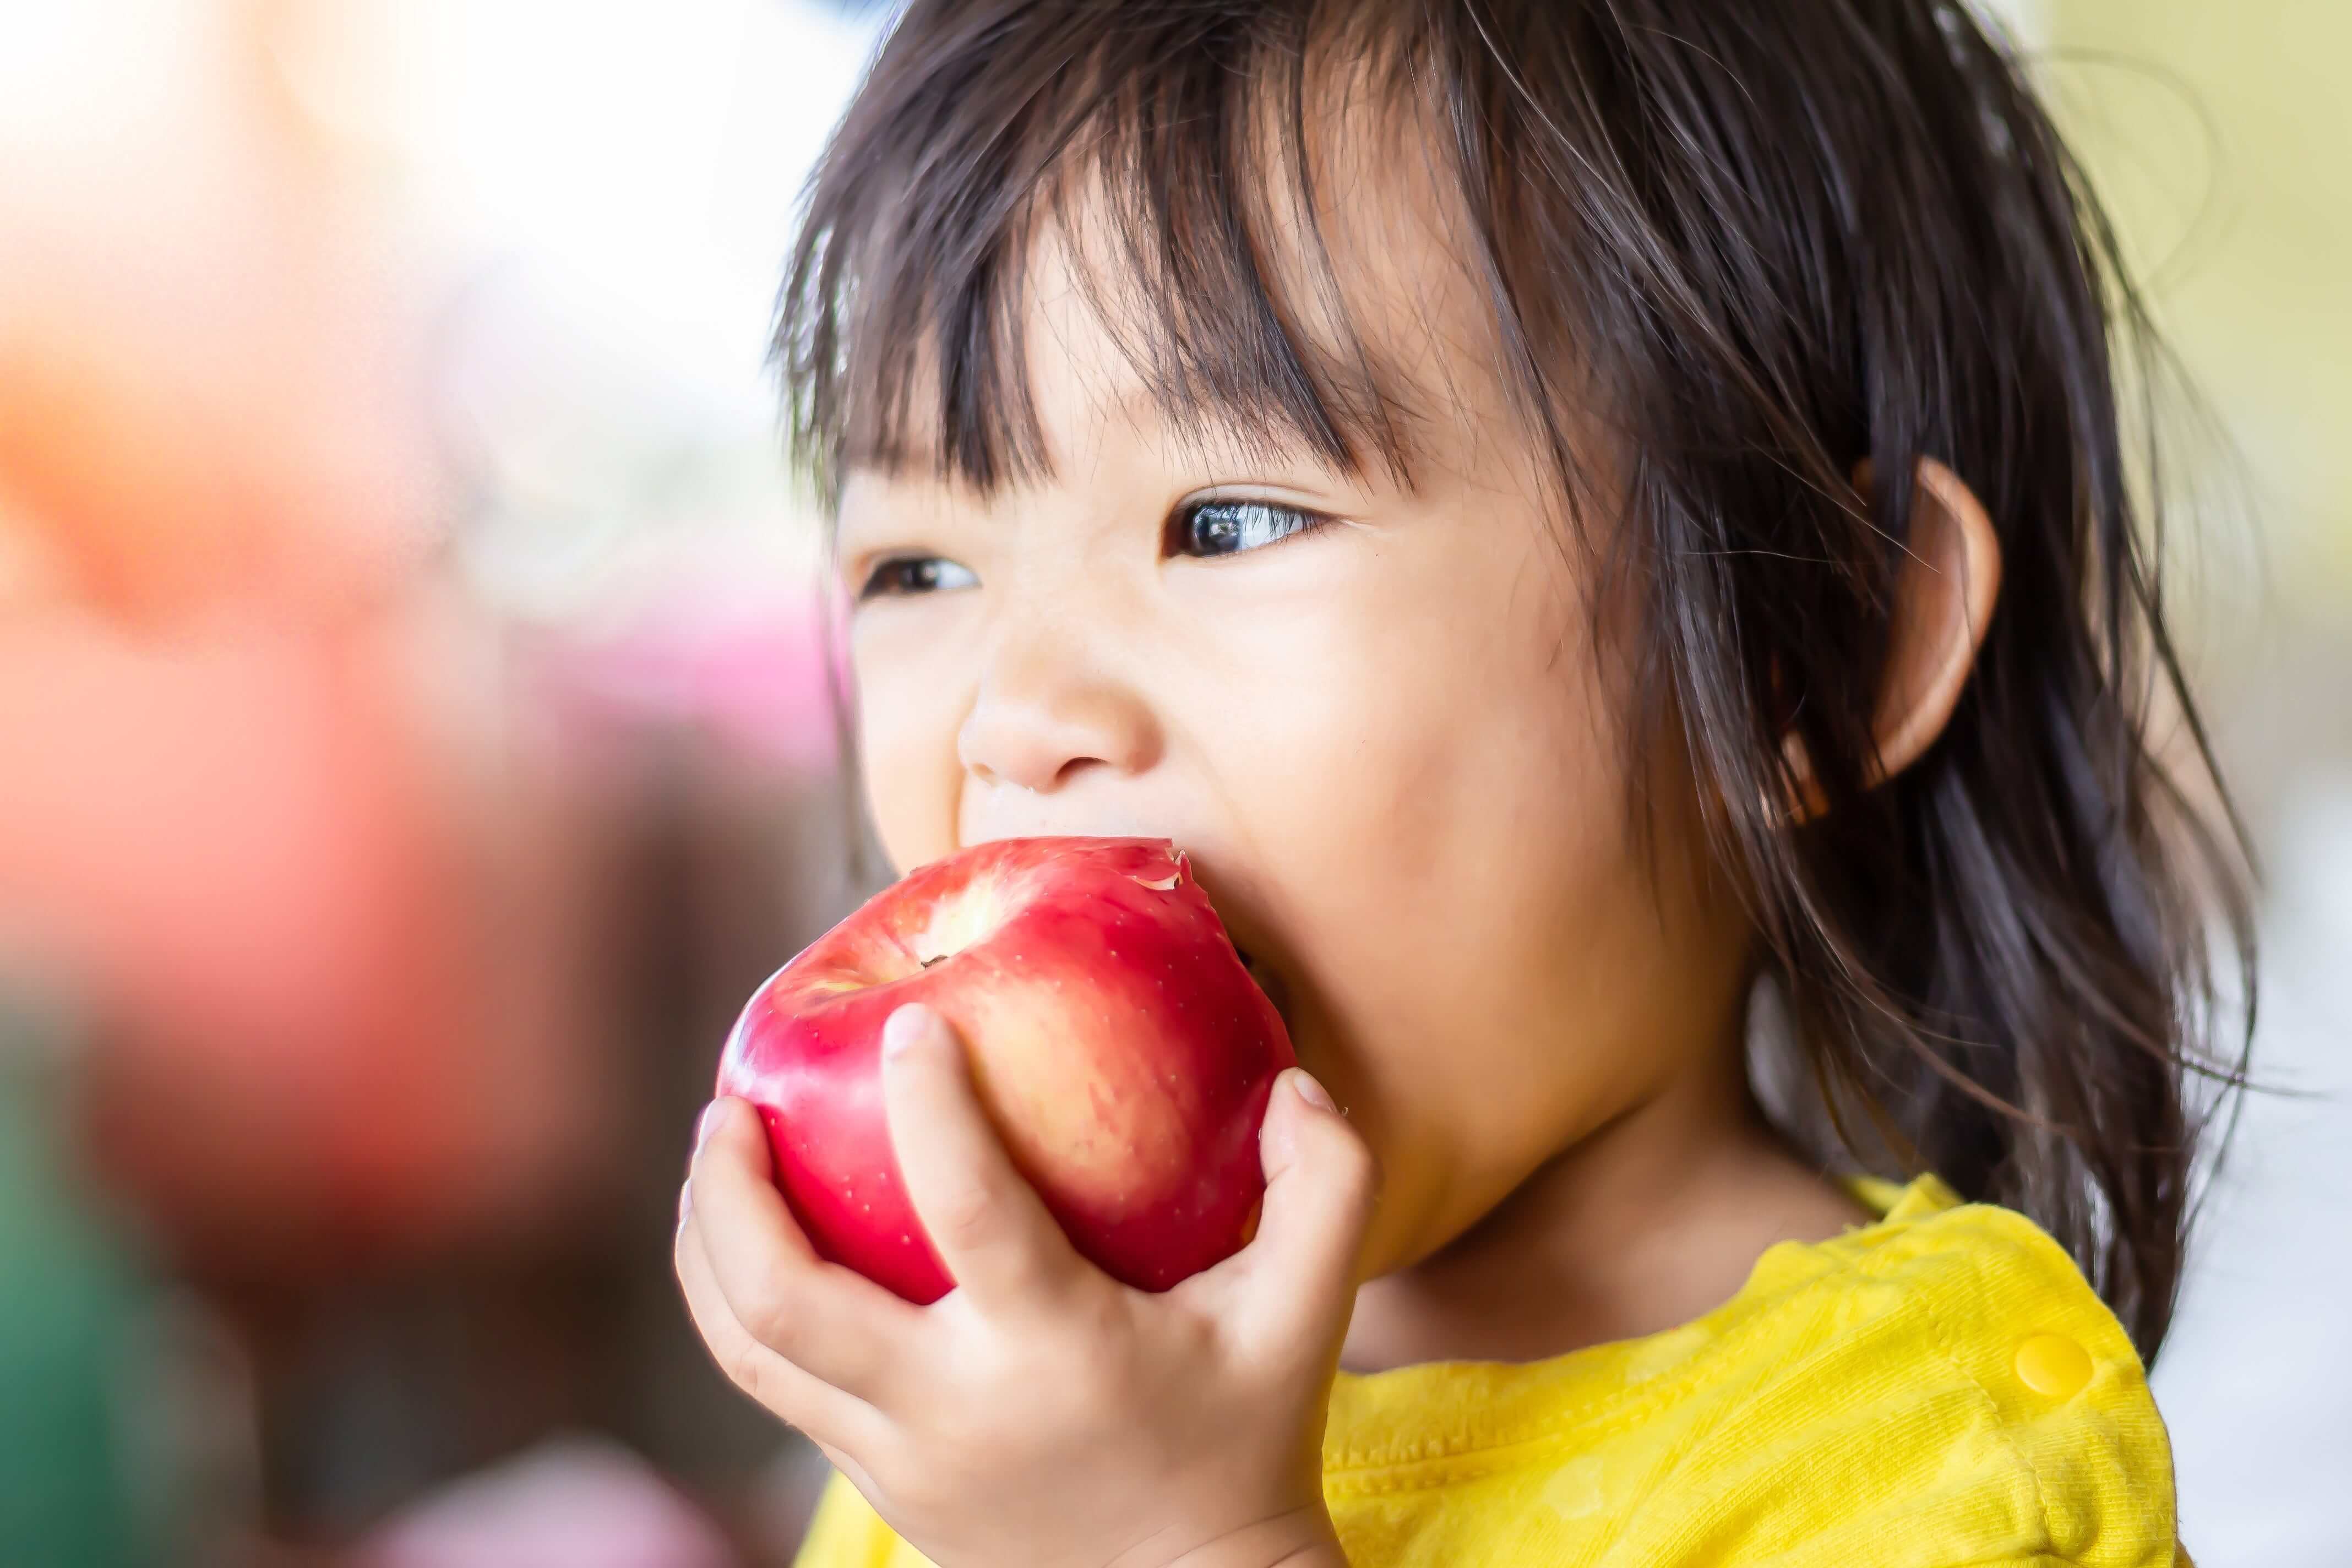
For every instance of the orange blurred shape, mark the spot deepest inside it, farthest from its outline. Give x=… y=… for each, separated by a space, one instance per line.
x=219 y=824
x=207 y=370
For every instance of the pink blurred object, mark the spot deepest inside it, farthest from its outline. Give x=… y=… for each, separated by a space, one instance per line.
x=758 y=672
x=572 y=1503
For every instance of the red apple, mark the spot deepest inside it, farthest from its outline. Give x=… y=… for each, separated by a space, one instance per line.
x=1117 y=1043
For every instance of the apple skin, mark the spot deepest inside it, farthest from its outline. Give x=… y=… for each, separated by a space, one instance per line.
x=1119 y=1047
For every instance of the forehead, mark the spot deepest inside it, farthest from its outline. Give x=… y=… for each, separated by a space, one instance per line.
x=1316 y=298
x=1375 y=300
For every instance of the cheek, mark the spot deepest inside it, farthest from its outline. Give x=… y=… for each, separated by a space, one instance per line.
x=1472 y=844
x=911 y=707
x=1438 y=792
x=1438 y=775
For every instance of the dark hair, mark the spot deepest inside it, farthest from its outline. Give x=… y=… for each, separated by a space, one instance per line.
x=1759 y=243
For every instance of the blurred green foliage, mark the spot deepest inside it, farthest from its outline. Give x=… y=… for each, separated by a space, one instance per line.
x=70 y=1320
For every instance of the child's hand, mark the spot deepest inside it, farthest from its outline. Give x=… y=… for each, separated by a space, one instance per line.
x=1043 y=1414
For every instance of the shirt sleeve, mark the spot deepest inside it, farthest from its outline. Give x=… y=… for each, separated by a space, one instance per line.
x=847 y=1533
x=1967 y=1400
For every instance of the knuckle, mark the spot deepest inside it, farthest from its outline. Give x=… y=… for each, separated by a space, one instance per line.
x=1092 y=1366
x=770 y=1312
x=747 y=1371
x=967 y=1218
x=1105 y=1323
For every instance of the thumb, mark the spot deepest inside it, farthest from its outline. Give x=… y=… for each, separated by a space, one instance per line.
x=1321 y=1182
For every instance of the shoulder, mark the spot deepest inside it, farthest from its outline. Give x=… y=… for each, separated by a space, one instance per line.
x=1938 y=1389
x=1947 y=1373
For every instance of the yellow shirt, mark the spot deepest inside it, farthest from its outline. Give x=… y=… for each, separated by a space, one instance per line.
x=1935 y=1390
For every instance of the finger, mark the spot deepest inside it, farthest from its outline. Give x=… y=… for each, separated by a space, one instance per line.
x=993 y=1232
x=834 y=1420
x=826 y=1319
x=1293 y=1285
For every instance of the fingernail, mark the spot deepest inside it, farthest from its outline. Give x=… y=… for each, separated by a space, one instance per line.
x=704 y=1123
x=1304 y=1085
x=685 y=1204
x=904 y=1027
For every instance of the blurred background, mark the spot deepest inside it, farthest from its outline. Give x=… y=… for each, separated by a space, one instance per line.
x=415 y=742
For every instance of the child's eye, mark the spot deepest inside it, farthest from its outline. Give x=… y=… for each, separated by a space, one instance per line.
x=1230 y=526
x=902 y=577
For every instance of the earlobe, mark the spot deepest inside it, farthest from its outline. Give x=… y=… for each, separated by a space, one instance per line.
x=1944 y=600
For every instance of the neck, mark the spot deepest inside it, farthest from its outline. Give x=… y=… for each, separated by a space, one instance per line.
x=1650 y=1221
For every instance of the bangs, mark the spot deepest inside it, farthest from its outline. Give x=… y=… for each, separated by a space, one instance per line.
x=1167 y=155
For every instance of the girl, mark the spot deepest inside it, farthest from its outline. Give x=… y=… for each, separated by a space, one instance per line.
x=1602 y=526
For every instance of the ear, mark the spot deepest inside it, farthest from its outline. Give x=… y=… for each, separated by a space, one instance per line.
x=1944 y=599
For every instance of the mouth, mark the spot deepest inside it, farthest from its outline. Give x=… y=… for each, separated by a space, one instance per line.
x=1270 y=981
x=1237 y=911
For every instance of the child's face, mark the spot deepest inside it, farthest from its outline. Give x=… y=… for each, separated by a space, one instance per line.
x=1388 y=739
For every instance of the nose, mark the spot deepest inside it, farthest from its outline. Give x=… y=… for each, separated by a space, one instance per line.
x=1046 y=712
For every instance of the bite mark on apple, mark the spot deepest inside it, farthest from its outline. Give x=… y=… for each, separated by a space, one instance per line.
x=1168 y=883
